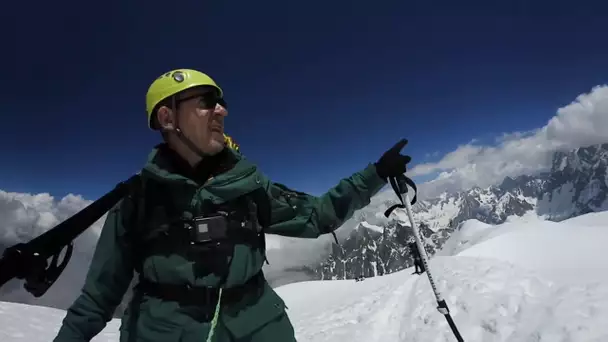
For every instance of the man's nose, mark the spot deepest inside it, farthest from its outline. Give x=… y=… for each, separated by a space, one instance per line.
x=220 y=110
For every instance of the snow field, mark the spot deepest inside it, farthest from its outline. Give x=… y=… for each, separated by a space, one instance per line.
x=525 y=280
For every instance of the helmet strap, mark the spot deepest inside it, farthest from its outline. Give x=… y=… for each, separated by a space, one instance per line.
x=181 y=135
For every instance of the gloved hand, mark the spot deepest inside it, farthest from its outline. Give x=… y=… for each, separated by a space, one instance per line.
x=393 y=163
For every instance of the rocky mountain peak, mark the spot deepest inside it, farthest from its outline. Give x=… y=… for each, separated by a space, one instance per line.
x=577 y=183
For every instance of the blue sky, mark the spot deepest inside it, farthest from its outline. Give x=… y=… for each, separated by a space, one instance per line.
x=316 y=90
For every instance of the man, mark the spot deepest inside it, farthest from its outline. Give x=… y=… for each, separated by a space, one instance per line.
x=194 y=230
x=418 y=265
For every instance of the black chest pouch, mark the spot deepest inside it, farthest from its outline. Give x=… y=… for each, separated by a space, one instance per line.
x=209 y=229
x=239 y=221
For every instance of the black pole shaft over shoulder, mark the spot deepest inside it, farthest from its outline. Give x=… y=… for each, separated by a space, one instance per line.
x=29 y=260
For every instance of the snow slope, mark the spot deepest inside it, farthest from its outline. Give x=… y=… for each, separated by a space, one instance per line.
x=24 y=322
x=558 y=251
x=512 y=282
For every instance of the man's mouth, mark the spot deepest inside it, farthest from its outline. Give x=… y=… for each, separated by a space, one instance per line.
x=217 y=128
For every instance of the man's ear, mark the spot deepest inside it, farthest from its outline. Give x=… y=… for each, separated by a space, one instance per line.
x=166 y=119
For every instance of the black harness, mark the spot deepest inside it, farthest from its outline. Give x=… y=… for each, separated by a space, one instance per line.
x=207 y=239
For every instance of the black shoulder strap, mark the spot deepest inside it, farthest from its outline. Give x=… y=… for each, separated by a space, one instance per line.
x=263 y=215
x=134 y=222
x=136 y=197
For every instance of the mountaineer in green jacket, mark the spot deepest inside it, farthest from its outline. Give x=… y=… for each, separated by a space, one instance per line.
x=194 y=230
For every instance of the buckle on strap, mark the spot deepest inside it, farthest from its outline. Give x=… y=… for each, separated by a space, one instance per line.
x=200 y=294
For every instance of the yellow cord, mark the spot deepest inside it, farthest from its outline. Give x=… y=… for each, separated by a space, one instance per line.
x=215 y=317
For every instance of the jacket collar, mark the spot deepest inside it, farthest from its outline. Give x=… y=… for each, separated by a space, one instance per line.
x=163 y=162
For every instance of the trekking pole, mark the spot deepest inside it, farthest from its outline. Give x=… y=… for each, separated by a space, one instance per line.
x=399 y=185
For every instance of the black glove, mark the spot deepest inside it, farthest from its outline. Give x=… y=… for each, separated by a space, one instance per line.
x=392 y=163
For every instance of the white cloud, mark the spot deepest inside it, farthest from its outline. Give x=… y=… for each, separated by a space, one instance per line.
x=583 y=122
x=26 y=216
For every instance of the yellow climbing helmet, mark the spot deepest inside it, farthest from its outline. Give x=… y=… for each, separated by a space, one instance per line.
x=173 y=82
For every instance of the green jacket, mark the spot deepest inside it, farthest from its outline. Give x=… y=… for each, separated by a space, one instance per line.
x=293 y=214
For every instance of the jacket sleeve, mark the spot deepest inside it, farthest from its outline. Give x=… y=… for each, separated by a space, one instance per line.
x=297 y=214
x=107 y=280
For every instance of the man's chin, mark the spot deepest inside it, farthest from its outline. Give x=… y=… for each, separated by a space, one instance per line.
x=216 y=146
x=217 y=136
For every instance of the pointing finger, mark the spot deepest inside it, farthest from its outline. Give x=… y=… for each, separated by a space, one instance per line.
x=399 y=146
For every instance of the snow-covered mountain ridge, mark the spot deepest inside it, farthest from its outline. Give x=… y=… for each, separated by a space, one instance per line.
x=575 y=184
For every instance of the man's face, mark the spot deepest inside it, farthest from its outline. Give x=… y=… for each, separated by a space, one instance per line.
x=202 y=125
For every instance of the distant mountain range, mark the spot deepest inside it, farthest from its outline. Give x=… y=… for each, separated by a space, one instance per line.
x=577 y=183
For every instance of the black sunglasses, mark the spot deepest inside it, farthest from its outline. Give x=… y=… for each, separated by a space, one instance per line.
x=206 y=100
